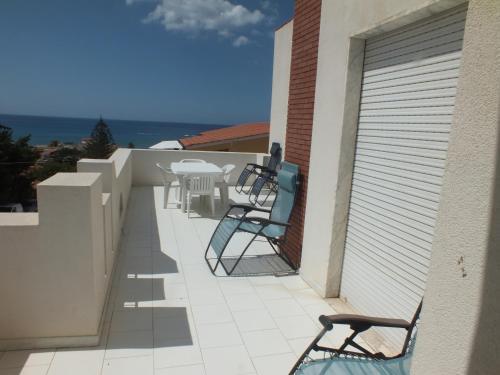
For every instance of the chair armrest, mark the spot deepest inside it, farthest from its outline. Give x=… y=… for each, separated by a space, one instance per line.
x=248 y=208
x=361 y=323
x=265 y=222
x=266 y=173
x=255 y=165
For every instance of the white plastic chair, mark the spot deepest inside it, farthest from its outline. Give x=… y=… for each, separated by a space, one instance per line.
x=222 y=182
x=202 y=185
x=180 y=178
x=168 y=177
x=193 y=161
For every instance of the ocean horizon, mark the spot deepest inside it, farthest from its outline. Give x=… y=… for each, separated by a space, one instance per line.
x=143 y=134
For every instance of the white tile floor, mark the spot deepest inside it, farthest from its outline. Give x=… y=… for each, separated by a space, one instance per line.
x=168 y=315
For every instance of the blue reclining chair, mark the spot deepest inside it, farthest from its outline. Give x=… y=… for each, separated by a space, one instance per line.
x=268 y=171
x=264 y=179
x=273 y=228
x=347 y=362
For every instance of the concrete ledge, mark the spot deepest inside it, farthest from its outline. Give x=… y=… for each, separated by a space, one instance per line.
x=71 y=179
x=18 y=219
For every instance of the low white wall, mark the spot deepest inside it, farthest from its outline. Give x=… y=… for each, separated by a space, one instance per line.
x=56 y=265
x=52 y=269
x=146 y=173
x=281 y=83
x=117 y=181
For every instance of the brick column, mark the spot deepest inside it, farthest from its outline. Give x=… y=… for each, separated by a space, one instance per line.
x=303 y=69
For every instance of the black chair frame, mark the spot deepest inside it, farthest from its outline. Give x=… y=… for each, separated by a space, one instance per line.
x=252 y=169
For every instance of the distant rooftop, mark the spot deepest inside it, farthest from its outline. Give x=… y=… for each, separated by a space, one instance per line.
x=242 y=131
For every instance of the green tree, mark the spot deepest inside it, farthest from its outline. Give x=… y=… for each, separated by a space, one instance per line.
x=63 y=159
x=101 y=144
x=16 y=160
x=67 y=155
x=49 y=168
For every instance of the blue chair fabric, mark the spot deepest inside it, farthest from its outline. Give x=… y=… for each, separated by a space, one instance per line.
x=357 y=366
x=273 y=228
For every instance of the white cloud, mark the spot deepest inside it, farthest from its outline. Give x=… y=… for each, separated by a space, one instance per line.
x=241 y=41
x=195 y=16
x=266 y=4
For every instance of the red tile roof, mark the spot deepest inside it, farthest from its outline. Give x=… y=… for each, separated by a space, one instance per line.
x=227 y=134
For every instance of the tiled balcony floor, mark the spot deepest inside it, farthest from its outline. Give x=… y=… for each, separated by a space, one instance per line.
x=169 y=315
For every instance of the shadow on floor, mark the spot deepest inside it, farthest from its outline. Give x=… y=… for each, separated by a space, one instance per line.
x=160 y=320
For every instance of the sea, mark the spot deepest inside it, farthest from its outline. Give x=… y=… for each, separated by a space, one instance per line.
x=142 y=134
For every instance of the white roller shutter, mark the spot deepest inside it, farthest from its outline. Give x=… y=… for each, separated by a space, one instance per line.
x=408 y=94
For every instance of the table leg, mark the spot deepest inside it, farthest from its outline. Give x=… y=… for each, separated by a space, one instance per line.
x=183 y=194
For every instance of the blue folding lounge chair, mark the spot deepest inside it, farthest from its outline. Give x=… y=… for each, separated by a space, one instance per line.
x=363 y=362
x=252 y=169
x=264 y=179
x=273 y=228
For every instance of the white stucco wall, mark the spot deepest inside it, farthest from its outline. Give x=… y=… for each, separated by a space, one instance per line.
x=57 y=264
x=335 y=119
x=117 y=180
x=52 y=269
x=281 y=83
x=460 y=327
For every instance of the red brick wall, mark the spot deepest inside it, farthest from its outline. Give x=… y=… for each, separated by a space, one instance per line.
x=300 y=110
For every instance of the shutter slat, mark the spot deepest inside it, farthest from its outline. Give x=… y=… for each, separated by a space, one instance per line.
x=415 y=95
x=425 y=161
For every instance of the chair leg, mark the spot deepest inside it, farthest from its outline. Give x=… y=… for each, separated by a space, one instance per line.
x=179 y=190
x=188 y=204
x=212 y=203
x=165 y=196
x=166 y=191
x=224 y=194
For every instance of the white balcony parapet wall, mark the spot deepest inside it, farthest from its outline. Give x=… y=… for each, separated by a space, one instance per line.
x=52 y=269
x=145 y=172
x=56 y=265
x=117 y=179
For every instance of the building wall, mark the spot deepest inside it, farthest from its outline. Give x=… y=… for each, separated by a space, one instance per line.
x=459 y=329
x=344 y=26
x=306 y=28
x=281 y=83
x=461 y=305
x=260 y=145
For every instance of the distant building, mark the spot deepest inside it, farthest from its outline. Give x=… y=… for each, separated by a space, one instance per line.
x=253 y=137
x=167 y=145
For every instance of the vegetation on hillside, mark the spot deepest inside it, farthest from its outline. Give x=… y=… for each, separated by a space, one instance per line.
x=23 y=166
x=17 y=158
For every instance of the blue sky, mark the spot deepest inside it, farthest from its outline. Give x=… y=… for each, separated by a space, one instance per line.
x=202 y=61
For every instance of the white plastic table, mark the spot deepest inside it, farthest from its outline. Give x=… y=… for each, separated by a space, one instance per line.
x=192 y=169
